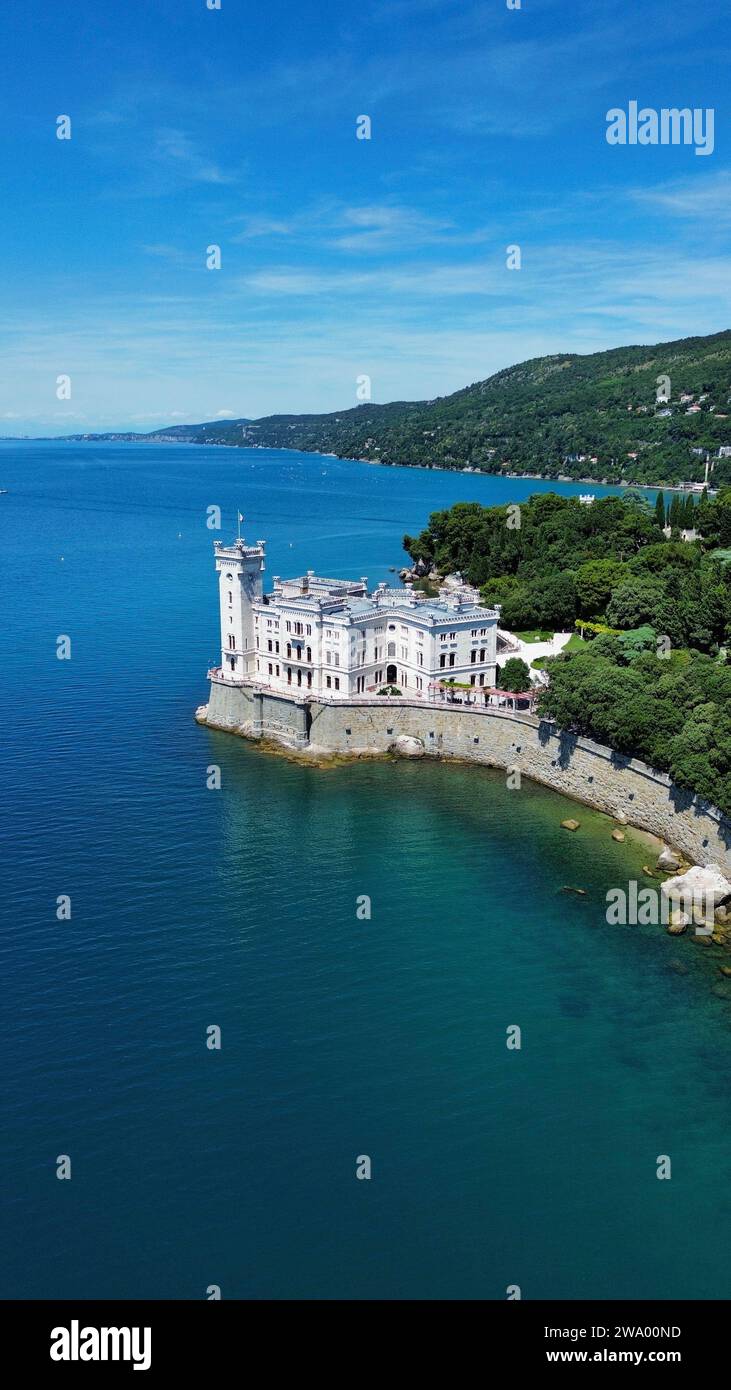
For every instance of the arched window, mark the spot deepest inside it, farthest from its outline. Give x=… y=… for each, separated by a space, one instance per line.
x=391 y=649
x=309 y=653
x=289 y=649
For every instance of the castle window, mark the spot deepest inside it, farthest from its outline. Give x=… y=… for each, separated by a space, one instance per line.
x=309 y=680
x=289 y=649
x=230 y=596
x=337 y=683
x=443 y=659
x=309 y=653
x=328 y=682
x=271 y=673
x=289 y=675
x=451 y=658
x=473 y=658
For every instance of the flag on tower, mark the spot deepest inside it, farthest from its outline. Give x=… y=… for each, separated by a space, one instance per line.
x=241 y=516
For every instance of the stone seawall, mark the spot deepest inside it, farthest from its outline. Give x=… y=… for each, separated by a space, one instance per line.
x=579 y=768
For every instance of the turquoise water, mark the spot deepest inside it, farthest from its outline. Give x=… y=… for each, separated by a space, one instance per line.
x=238 y=908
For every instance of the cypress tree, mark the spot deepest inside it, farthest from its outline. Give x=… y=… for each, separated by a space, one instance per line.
x=660 y=510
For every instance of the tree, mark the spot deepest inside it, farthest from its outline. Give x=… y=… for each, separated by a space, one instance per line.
x=660 y=510
x=635 y=601
x=595 y=581
x=515 y=675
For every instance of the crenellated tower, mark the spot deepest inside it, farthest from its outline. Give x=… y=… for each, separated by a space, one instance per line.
x=240 y=567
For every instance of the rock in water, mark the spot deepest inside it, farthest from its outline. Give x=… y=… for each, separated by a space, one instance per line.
x=619 y=835
x=677 y=924
x=570 y=824
x=704 y=887
x=668 y=860
x=407 y=747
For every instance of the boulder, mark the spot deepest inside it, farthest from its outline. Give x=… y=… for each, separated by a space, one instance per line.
x=619 y=835
x=668 y=860
x=678 y=923
x=407 y=747
x=704 y=887
x=570 y=824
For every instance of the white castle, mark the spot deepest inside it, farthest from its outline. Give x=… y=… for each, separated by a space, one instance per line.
x=330 y=638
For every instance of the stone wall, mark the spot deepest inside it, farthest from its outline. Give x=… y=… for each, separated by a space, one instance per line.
x=256 y=714
x=624 y=788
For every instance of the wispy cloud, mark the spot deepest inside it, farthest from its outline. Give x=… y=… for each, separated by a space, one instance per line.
x=703 y=197
x=176 y=148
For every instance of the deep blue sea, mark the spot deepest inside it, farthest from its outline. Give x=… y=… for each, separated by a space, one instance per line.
x=237 y=907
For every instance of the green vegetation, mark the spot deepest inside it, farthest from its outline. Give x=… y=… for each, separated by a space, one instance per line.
x=651 y=679
x=389 y=690
x=515 y=675
x=594 y=416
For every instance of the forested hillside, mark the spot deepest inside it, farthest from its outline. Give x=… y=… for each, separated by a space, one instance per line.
x=651 y=677
x=596 y=416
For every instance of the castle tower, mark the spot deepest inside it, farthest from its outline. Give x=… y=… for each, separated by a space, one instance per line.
x=240 y=568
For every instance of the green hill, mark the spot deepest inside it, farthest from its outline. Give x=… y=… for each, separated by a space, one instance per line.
x=561 y=416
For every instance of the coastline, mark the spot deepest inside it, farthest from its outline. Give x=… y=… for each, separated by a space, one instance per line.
x=322 y=733
x=470 y=470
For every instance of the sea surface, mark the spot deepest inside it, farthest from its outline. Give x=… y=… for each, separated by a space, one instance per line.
x=341 y=1037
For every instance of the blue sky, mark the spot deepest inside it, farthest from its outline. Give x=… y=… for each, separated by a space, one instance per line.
x=342 y=257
